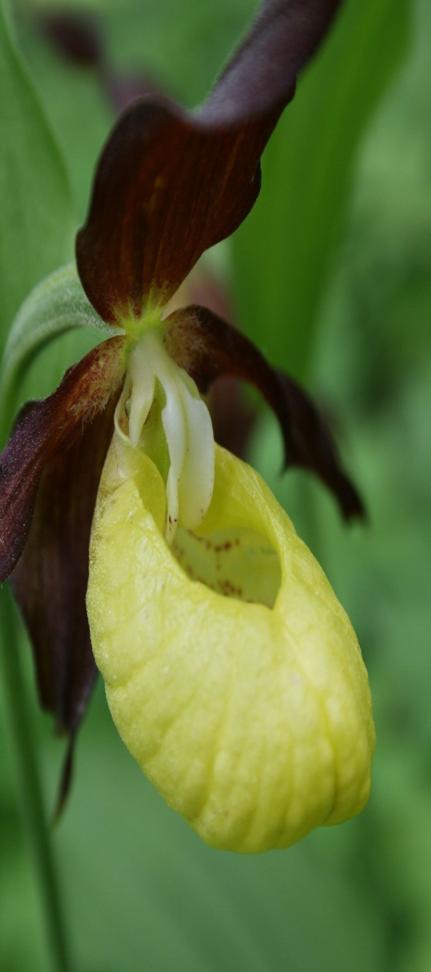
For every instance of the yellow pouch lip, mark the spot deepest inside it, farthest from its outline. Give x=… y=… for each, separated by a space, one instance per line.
x=240 y=498
x=233 y=480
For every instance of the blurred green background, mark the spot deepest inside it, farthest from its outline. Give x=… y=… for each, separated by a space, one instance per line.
x=331 y=276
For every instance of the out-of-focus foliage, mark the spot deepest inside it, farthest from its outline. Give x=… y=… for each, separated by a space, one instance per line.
x=372 y=364
x=181 y=47
x=36 y=211
x=284 y=251
x=141 y=890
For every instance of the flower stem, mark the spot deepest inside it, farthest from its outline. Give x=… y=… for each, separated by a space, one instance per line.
x=28 y=777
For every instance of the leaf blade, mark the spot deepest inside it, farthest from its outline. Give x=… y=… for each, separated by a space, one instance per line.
x=306 y=181
x=36 y=218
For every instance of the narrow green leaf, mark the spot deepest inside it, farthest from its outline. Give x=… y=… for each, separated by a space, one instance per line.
x=36 y=218
x=283 y=253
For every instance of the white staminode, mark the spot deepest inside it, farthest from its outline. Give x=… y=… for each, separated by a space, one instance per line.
x=186 y=423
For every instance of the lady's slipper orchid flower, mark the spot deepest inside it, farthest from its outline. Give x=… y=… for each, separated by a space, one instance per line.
x=232 y=673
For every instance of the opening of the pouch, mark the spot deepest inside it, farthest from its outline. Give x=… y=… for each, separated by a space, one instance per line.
x=235 y=563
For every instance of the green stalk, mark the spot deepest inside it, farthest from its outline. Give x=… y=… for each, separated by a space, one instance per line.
x=29 y=783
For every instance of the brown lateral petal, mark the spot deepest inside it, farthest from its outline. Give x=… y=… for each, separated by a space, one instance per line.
x=208 y=348
x=312 y=446
x=232 y=417
x=75 y=37
x=170 y=184
x=45 y=428
x=50 y=579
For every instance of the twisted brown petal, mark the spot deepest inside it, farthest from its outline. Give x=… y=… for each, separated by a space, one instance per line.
x=209 y=348
x=49 y=475
x=50 y=579
x=43 y=431
x=170 y=184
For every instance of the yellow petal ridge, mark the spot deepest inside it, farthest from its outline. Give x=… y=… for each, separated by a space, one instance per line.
x=246 y=702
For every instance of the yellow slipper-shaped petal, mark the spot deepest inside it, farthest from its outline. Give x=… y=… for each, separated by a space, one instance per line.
x=232 y=673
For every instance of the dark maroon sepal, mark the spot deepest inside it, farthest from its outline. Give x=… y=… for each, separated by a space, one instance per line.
x=208 y=348
x=170 y=184
x=166 y=189
x=42 y=431
x=50 y=579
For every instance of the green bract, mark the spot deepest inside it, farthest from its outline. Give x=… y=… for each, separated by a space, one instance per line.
x=56 y=305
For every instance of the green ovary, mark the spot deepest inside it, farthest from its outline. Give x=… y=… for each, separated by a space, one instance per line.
x=232 y=673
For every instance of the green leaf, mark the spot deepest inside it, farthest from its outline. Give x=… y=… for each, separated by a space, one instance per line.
x=283 y=254
x=36 y=218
